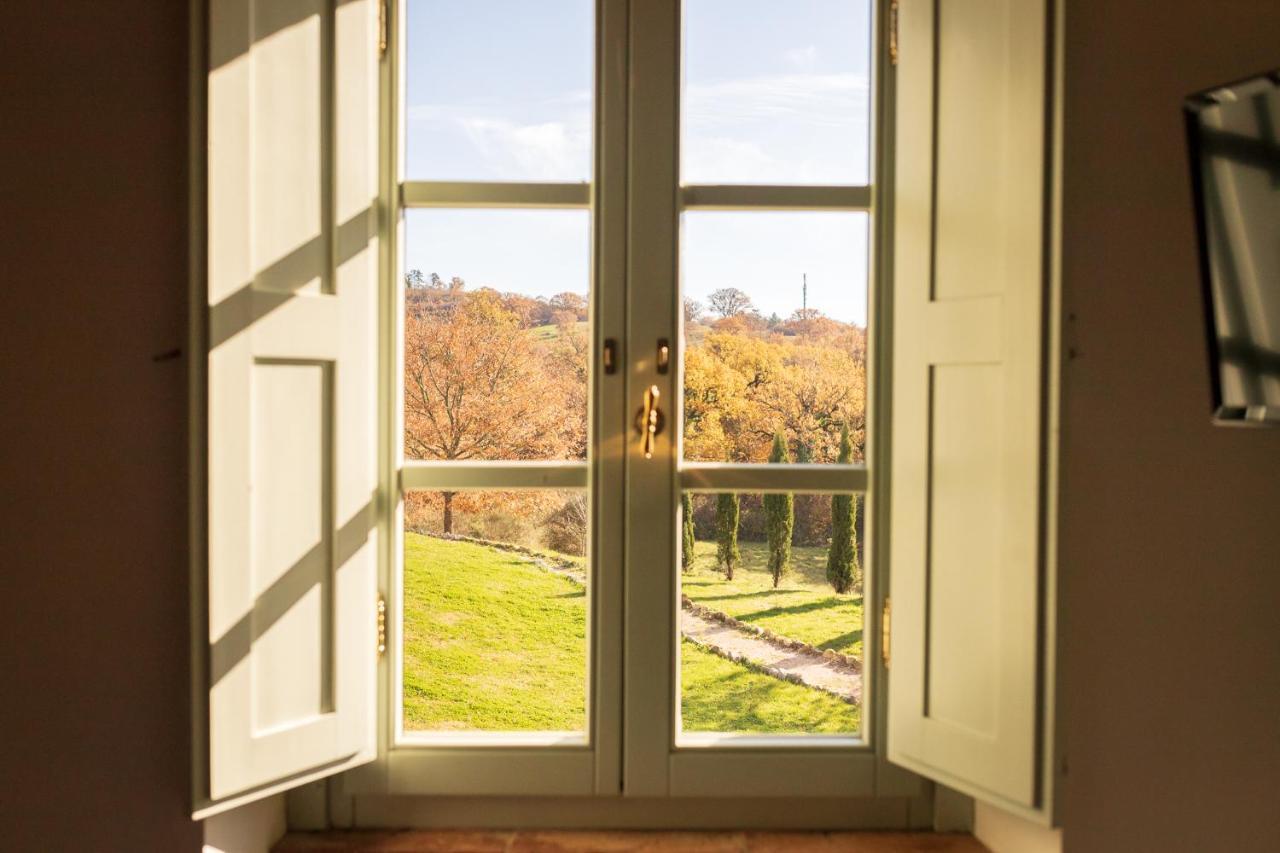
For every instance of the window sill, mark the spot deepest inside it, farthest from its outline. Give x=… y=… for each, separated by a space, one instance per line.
x=456 y=841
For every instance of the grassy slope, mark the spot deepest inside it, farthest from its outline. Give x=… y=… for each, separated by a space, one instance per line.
x=722 y=696
x=803 y=607
x=491 y=641
x=494 y=643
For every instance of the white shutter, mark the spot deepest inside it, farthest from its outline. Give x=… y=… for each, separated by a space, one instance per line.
x=292 y=403
x=969 y=301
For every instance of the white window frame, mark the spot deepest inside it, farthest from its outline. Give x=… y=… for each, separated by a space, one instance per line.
x=700 y=766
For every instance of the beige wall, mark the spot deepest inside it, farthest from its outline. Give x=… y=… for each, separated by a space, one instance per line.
x=93 y=278
x=1170 y=557
x=248 y=829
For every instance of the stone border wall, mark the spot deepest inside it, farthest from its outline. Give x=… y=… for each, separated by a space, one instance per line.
x=765 y=669
x=768 y=636
x=564 y=568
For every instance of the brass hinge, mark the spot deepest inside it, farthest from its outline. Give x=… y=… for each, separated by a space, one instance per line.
x=382 y=626
x=893 y=32
x=885 y=616
x=383 y=35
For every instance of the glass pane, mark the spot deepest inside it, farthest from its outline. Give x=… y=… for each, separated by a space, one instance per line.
x=496 y=334
x=775 y=315
x=495 y=611
x=771 y=614
x=776 y=93
x=498 y=90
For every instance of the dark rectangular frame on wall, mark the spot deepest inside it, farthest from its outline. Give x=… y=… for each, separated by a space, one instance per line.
x=1224 y=414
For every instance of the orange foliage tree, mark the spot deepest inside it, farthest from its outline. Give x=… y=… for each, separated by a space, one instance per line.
x=478 y=385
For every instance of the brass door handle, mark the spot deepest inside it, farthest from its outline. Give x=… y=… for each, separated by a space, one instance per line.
x=649 y=420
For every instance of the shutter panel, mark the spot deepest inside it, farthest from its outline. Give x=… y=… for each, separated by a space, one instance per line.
x=969 y=302
x=292 y=395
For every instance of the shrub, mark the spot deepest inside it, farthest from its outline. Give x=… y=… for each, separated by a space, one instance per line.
x=565 y=529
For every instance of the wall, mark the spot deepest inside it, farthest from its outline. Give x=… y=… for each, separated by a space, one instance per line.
x=248 y=829
x=1172 y=581
x=93 y=587
x=93 y=564
x=1002 y=832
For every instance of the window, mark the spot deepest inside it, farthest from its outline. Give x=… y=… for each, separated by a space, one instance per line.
x=599 y=418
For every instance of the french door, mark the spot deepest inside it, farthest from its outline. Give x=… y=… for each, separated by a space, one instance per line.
x=630 y=430
x=627 y=514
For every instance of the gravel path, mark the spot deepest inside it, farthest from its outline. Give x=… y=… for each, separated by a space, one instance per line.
x=809 y=667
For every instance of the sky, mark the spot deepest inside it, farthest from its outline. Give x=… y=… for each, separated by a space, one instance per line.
x=775 y=91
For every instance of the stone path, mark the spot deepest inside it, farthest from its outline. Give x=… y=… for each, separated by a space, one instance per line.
x=807 y=667
x=800 y=666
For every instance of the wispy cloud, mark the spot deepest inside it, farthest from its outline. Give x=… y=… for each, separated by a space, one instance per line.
x=826 y=100
x=512 y=149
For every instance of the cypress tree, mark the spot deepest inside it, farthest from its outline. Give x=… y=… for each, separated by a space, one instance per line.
x=727 y=554
x=842 y=559
x=810 y=510
x=779 y=518
x=686 y=531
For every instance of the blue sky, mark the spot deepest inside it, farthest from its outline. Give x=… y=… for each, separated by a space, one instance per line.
x=775 y=91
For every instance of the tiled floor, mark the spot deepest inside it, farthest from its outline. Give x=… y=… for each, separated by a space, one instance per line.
x=463 y=841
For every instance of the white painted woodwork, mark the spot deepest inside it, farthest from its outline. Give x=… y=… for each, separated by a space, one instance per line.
x=969 y=312
x=494 y=194
x=523 y=763
x=764 y=477
x=502 y=476
x=292 y=398
x=768 y=197
x=650 y=685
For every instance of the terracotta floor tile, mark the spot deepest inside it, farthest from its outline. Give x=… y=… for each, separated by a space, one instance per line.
x=627 y=842
x=396 y=841
x=468 y=841
x=860 y=842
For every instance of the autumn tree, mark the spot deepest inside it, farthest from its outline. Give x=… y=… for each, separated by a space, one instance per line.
x=740 y=388
x=729 y=302
x=572 y=303
x=842 y=560
x=687 y=541
x=693 y=310
x=475 y=388
x=727 y=554
x=779 y=518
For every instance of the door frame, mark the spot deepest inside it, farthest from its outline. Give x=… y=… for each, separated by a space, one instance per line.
x=656 y=763
x=509 y=765
x=658 y=781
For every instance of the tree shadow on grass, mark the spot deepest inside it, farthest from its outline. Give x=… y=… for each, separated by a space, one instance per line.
x=848 y=640
x=809 y=607
x=758 y=594
x=736 y=697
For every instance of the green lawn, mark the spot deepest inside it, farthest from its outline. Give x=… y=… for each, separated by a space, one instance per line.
x=803 y=607
x=493 y=643
x=719 y=695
